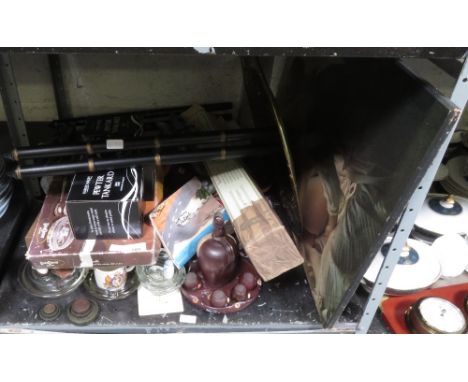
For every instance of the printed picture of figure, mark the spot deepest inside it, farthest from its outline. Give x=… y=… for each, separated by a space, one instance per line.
x=350 y=216
x=362 y=135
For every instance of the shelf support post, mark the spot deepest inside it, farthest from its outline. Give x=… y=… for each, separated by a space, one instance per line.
x=14 y=112
x=459 y=98
x=11 y=102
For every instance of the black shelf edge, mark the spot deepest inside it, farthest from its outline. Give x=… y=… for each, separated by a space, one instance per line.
x=391 y=52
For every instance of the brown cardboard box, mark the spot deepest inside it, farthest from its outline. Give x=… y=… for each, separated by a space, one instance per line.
x=261 y=232
x=30 y=233
x=54 y=246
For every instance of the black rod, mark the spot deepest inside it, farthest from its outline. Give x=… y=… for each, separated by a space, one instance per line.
x=112 y=145
x=157 y=159
x=154 y=114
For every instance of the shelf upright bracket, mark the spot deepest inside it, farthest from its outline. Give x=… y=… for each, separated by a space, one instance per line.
x=14 y=112
x=459 y=98
x=12 y=103
x=58 y=82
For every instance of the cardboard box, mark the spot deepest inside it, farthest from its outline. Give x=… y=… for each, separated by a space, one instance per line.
x=263 y=236
x=54 y=246
x=185 y=218
x=106 y=204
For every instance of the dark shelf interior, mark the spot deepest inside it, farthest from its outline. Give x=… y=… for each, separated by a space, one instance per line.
x=285 y=305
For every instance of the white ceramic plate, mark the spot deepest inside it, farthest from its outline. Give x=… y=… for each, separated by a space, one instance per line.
x=408 y=278
x=452 y=252
x=439 y=224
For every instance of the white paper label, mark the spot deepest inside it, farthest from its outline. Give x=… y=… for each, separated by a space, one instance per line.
x=85 y=254
x=187 y=319
x=150 y=304
x=114 y=144
x=128 y=248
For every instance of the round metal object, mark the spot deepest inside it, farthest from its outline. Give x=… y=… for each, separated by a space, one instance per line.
x=83 y=311
x=49 y=312
x=408 y=255
x=81 y=307
x=445 y=206
x=435 y=315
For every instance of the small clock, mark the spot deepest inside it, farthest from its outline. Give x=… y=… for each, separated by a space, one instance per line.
x=435 y=315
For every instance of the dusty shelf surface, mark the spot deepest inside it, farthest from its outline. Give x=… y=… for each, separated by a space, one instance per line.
x=285 y=305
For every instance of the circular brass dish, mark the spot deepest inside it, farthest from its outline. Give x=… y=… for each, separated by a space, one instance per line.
x=435 y=315
x=83 y=311
x=49 y=312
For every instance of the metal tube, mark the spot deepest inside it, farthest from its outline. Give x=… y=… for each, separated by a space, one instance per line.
x=157 y=159
x=228 y=136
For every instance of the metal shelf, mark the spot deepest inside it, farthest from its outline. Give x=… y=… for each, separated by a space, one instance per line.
x=286 y=303
x=304 y=52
